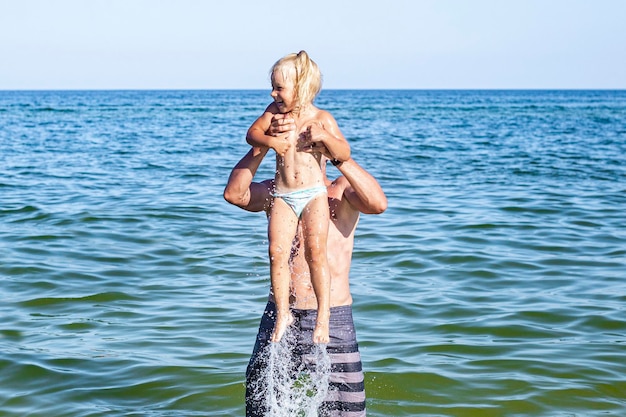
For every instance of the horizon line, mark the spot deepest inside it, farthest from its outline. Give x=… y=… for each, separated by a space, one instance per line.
x=326 y=89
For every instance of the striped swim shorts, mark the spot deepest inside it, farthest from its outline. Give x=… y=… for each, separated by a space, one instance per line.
x=346 y=390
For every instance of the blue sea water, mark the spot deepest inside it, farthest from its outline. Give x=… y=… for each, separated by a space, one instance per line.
x=494 y=284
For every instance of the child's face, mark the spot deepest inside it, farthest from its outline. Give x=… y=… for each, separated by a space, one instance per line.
x=283 y=92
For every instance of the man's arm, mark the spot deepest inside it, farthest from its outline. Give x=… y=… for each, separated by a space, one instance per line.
x=241 y=191
x=363 y=192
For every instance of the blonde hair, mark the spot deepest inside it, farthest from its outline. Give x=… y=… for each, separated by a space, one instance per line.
x=305 y=74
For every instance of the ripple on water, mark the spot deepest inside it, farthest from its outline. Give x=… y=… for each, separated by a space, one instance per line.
x=493 y=284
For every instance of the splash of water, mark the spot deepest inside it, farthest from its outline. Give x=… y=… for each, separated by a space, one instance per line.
x=292 y=386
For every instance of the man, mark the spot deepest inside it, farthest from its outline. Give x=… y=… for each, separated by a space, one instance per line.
x=351 y=194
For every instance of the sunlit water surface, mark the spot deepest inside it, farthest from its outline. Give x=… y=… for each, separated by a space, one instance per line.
x=494 y=284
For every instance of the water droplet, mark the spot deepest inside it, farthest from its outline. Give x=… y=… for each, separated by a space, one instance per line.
x=292 y=387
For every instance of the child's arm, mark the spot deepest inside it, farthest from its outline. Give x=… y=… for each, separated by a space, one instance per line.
x=256 y=135
x=331 y=137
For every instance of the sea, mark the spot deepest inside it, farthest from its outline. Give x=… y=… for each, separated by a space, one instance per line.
x=493 y=285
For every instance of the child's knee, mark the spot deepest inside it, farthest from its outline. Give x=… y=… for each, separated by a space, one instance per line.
x=278 y=252
x=315 y=253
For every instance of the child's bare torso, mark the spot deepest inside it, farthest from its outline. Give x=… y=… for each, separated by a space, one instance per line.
x=298 y=169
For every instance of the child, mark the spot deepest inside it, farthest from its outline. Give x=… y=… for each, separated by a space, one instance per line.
x=299 y=187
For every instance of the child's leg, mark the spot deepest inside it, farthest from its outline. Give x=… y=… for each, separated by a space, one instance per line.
x=281 y=231
x=315 y=218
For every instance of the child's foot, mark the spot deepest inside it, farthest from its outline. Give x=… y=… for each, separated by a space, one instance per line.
x=321 y=333
x=282 y=322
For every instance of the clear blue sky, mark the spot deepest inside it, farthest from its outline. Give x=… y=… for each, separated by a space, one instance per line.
x=144 y=44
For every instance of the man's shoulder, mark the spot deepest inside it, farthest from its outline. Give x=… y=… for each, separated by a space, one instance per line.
x=344 y=212
x=268 y=187
x=260 y=193
x=340 y=181
x=340 y=188
x=269 y=183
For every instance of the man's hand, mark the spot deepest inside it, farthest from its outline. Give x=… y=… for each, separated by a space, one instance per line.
x=312 y=140
x=283 y=129
x=281 y=144
x=281 y=123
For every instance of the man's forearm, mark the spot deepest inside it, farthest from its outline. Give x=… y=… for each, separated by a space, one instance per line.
x=371 y=197
x=338 y=148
